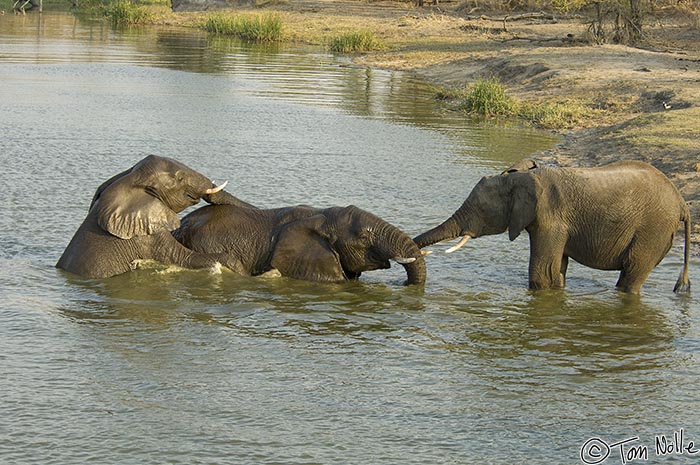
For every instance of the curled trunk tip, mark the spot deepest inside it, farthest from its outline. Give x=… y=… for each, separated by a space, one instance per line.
x=416 y=272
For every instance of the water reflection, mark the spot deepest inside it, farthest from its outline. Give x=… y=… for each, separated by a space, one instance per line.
x=287 y=72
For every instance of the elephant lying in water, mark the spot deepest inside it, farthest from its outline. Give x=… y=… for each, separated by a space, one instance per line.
x=131 y=216
x=622 y=216
x=331 y=244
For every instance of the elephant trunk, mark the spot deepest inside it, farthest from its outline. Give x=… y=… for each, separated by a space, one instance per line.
x=221 y=197
x=416 y=272
x=404 y=251
x=446 y=231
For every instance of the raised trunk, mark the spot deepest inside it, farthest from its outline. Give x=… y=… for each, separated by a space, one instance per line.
x=448 y=230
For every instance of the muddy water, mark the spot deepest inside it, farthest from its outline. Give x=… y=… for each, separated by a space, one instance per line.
x=163 y=366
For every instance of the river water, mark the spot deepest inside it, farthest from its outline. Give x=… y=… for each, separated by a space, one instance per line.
x=186 y=367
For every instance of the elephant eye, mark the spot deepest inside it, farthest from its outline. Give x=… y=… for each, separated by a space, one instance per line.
x=364 y=234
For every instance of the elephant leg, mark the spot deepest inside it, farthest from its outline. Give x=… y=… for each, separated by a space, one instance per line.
x=233 y=264
x=642 y=255
x=632 y=277
x=169 y=251
x=631 y=282
x=548 y=263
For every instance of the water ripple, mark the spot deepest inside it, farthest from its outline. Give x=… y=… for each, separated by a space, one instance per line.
x=175 y=366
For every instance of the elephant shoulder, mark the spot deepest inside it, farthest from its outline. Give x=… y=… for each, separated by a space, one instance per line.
x=92 y=248
x=288 y=215
x=207 y=220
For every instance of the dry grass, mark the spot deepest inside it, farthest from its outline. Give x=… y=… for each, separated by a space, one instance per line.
x=667 y=129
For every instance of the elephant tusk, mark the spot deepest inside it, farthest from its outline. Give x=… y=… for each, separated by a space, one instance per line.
x=216 y=189
x=404 y=260
x=426 y=252
x=459 y=244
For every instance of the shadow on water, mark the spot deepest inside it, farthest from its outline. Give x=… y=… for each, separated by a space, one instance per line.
x=587 y=334
x=592 y=335
x=610 y=323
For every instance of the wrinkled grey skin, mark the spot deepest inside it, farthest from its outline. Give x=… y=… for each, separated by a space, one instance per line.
x=131 y=216
x=332 y=244
x=621 y=216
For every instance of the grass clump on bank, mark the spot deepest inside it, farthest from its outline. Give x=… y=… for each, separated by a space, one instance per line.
x=488 y=98
x=254 y=28
x=125 y=12
x=353 y=42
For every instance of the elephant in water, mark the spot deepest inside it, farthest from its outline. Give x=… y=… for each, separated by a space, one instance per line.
x=622 y=216
x=332 y=244
x=131 y=217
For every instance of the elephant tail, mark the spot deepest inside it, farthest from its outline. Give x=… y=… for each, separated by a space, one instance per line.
x=683 y=284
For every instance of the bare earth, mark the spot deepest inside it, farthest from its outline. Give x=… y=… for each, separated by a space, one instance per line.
x=644 y=102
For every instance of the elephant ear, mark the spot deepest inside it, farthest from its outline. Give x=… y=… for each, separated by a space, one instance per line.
x=303 y=251
x=125 y=211
x=523 y=203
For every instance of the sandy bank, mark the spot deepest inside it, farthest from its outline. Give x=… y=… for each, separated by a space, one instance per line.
x=642 y=103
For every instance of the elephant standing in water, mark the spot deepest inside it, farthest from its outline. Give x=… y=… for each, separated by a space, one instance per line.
x=332 y=244
x=622 y=216
x=131 y=217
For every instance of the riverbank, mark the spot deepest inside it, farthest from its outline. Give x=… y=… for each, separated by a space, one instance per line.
x=637 y=103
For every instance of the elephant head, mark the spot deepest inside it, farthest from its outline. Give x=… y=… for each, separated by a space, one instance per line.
x=340 y=243
x=131 y=216
x=146 y=198
x=333 y=244
x=497 y=203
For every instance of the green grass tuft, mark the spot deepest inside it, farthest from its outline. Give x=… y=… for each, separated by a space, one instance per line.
x=487 y=97
x=124 y=12
x=353 y=42
x=254 y=28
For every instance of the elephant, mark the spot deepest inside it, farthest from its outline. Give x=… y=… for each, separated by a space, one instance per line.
x=621 y=216
x=131 y=216
x=302 y=242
